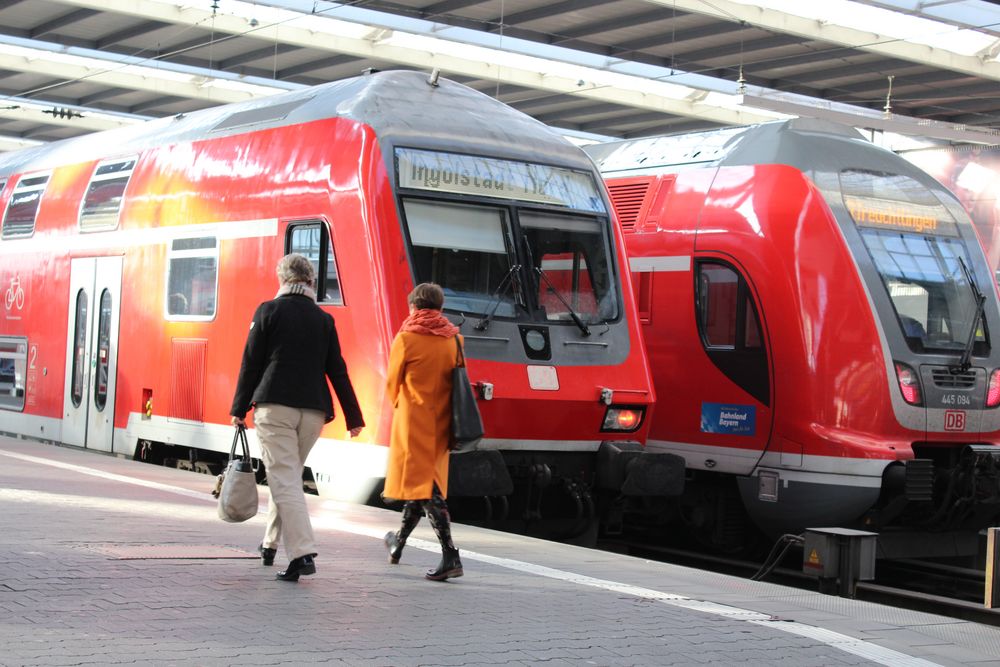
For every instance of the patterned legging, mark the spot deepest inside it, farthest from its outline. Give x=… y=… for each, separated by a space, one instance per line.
x=437 y=513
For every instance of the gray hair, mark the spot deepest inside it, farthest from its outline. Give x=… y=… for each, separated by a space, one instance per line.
x=295 y=268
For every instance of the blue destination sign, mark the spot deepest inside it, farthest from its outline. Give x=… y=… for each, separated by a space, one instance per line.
x=492 y=177
x=728 y=418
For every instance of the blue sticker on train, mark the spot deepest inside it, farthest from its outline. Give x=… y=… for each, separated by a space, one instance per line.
x=728 y=418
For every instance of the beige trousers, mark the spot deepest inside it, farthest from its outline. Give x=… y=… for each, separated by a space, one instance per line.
x=286 y=436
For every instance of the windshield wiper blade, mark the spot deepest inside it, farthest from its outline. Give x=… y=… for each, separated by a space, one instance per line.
x=572 y=313
x=965 y=361
x=507 y=280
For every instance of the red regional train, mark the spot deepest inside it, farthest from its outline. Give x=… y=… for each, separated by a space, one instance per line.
x=132 y=260
x=819 y=316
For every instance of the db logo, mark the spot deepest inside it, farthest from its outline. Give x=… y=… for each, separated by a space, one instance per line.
x=954 y=420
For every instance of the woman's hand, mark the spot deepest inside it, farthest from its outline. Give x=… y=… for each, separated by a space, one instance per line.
x=356 y=431
x=239 y=421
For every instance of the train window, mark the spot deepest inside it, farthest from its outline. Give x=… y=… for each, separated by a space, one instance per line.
x=103 y=351
x=192 y=278
x=19 y=218
x=310 y=239
x=13 y=371
x=103 y=199
x=573 y=256
x=467 y=250
x=935 y=304
x=79 y=349
x=717 y=289
x=730 y=327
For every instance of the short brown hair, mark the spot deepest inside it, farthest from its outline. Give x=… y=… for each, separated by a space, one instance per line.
x=427 y=295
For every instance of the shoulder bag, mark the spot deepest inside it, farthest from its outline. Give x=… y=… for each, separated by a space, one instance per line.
x=236 y=487
x=466 y=422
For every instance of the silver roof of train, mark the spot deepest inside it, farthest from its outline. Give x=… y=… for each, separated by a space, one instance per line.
x=401 y=106
x=791 y=142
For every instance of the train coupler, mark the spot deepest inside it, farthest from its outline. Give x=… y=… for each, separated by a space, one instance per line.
x=627 y=467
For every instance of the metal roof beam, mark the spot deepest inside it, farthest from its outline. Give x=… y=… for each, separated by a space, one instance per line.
x=129 y=33
x=543 y=12
x=435 y=50
x=811 y=28
x=61 y=22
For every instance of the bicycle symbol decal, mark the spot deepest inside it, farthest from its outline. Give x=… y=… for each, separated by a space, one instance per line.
x=14 y=295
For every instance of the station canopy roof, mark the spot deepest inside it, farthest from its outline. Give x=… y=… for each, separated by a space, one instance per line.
x=596 y=69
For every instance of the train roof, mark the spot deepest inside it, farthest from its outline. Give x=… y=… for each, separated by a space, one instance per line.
x=794 y=142
x=403 y=108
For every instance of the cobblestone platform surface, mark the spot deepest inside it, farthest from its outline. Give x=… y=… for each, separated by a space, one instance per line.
x=112 y=562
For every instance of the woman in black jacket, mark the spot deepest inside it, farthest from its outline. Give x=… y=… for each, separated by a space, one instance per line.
x=291 y=350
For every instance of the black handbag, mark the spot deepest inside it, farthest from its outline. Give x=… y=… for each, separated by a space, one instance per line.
x=466 y=422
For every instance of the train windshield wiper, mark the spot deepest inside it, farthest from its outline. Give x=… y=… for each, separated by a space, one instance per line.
x=506 y=284
x=572 y=313
x=965 y=361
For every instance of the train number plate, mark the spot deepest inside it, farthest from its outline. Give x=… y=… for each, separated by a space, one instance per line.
x=543 y=378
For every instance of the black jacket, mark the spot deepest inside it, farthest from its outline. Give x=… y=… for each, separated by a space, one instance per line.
x=291 y=350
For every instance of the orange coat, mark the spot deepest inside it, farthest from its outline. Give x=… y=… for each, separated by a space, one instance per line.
x=419 y=386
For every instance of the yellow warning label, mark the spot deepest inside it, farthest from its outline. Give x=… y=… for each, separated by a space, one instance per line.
x=813 y=557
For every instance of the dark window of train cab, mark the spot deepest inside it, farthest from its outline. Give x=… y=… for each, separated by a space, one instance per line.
x=103 y=200
x=730 y=327
x=467 y=250
x=313 y=240
x=19 y=218
x=13 y=371
x=192 y=279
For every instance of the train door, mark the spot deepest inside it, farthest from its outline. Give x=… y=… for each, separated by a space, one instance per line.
x=92 y=352
x=738 y=410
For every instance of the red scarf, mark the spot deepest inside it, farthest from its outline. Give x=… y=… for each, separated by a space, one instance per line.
x=429 y=321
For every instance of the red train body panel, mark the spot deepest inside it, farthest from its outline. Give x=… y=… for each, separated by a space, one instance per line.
x=134 y=259
x=779 y=270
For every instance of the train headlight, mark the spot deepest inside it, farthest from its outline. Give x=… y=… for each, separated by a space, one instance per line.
x=993 y=392
x=909 y=383
x=623 y=419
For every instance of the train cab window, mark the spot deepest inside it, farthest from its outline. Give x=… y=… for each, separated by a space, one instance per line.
x=13 y=371
x=730 y=327
x=921 y=260
x=192 y=279
x=466 y=249
x=312 y=240
x=22 y=208
x=572 y=256
x=103 y=200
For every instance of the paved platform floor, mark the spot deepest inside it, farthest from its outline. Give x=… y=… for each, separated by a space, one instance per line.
x=110 y=562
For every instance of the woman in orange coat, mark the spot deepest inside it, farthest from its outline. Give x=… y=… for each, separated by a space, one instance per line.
x=422 y=357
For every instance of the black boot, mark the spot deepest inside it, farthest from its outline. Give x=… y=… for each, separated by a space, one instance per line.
x=297 y=567
x=450 y=565
x=394 y=542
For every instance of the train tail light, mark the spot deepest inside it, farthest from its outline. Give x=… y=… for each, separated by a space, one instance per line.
x=993 y=392
x=909 y=383
x=623 y=419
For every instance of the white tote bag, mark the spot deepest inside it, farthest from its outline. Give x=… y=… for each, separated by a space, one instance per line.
x=236 y=487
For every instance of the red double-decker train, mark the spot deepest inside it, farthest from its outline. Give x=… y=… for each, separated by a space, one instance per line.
x=819 y=317
x=133 y=259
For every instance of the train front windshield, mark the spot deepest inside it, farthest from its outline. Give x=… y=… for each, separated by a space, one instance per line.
x=922 y=260
x=538 y=250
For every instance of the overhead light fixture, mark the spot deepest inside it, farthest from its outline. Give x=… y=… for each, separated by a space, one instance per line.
x=869 y=118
